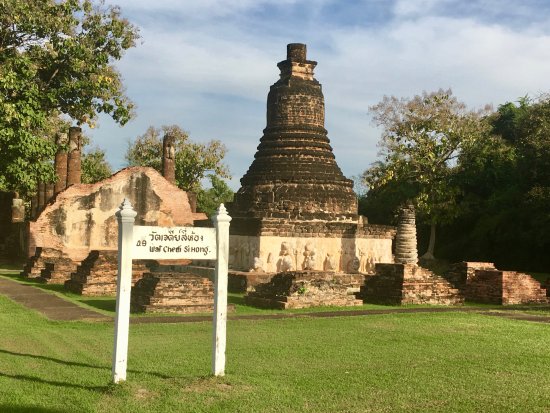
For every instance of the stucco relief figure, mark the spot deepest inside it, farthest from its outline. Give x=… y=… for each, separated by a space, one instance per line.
x=74 y=144
x=363 y=261
x=244 y=250
x=258 y=265
x=309 y=257
x=170 y=152
x=17 y=209
x=354 y=264
x=232 y=255
x=285 y=263
x=61 y=139
x=330 y=263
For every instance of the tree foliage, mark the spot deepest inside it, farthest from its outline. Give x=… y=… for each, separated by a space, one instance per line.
x=421 y=141
x=208 y=200
x=55 y=60
x=94 y=166
x=194 y=161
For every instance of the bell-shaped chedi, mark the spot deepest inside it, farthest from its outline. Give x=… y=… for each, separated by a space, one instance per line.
x=294 y=174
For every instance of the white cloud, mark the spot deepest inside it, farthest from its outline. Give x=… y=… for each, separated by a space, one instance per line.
x=211 y=75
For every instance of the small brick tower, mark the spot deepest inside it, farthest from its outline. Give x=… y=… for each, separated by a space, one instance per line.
x=74 y=157
x=61 y=163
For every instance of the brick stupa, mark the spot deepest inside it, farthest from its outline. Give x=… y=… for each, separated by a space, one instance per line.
x=295 y=209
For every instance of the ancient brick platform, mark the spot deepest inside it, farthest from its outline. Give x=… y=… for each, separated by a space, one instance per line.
x=397 y=284
x=302 y=289
x=97 y=274
x=58 y=270
x=37 y=262
x=172 y=292
x=483 y=283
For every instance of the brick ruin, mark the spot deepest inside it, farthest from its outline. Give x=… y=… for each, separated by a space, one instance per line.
x=405 y=282
x=73 y=239
x=295 y=209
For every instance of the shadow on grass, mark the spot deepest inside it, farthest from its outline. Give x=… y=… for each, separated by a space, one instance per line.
x=73 y=364
x=29 y=409
x=35 y=379
x=105 y=304
x=235 y=299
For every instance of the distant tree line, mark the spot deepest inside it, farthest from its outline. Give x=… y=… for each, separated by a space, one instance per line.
x=482 y=178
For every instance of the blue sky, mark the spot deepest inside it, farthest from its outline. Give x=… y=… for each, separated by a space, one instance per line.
x=207 y=65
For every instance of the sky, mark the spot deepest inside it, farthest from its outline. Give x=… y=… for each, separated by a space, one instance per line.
x=207 y=65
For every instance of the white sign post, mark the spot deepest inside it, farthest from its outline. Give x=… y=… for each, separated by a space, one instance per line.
x=126 y=216
x=147 y=242
x=221 y=222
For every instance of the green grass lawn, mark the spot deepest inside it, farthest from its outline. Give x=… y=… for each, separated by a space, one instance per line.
x=444 y=362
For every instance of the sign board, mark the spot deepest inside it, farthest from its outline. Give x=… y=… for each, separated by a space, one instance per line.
x=174 y=243
x=143 y=242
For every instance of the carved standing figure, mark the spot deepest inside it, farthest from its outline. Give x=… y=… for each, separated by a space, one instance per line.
x=285 y=263
x=309 y=257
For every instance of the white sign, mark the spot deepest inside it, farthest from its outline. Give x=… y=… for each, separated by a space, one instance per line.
x=174 y=243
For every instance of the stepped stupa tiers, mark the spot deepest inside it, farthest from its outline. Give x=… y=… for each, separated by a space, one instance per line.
x=295 y=209
x=294 y=174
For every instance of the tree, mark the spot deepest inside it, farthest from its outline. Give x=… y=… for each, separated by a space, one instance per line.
x=94 y=166
x=55 y=60
x=210 y=199
x=193 y=160
x=421 y=140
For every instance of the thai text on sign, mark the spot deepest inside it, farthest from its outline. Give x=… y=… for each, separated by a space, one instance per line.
x=174 y=243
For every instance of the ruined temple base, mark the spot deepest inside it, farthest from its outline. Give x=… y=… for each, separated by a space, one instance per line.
x=37 y=262
x=483 y=283
x=97 y=274
x=396 y=284
x=173 y=292
x=303 y=289
x=58 y=270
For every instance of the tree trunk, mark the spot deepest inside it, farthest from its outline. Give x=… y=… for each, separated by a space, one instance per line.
x=429 y=255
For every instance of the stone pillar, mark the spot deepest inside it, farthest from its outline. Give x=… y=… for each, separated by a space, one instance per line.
x=169 y=158
x=61 y=163
x=49 y=192
x=41 y=197
x=73 y=158
x=405 y=240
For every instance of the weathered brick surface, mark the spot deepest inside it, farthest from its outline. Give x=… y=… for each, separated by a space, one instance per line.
x=97 y=274
x=82 y=218
x=37 y=263
x=294 y=174
x=58 y=270
x=408 y=284
x=172 y=292
x=286 y=227
x=481 y=282
x=301 y=289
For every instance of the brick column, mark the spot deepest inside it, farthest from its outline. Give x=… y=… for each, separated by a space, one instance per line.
x=169 y=158
x=61 y=163
x=49 y=192
x=41 y=197
x=73 y=158
x=405 y=240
